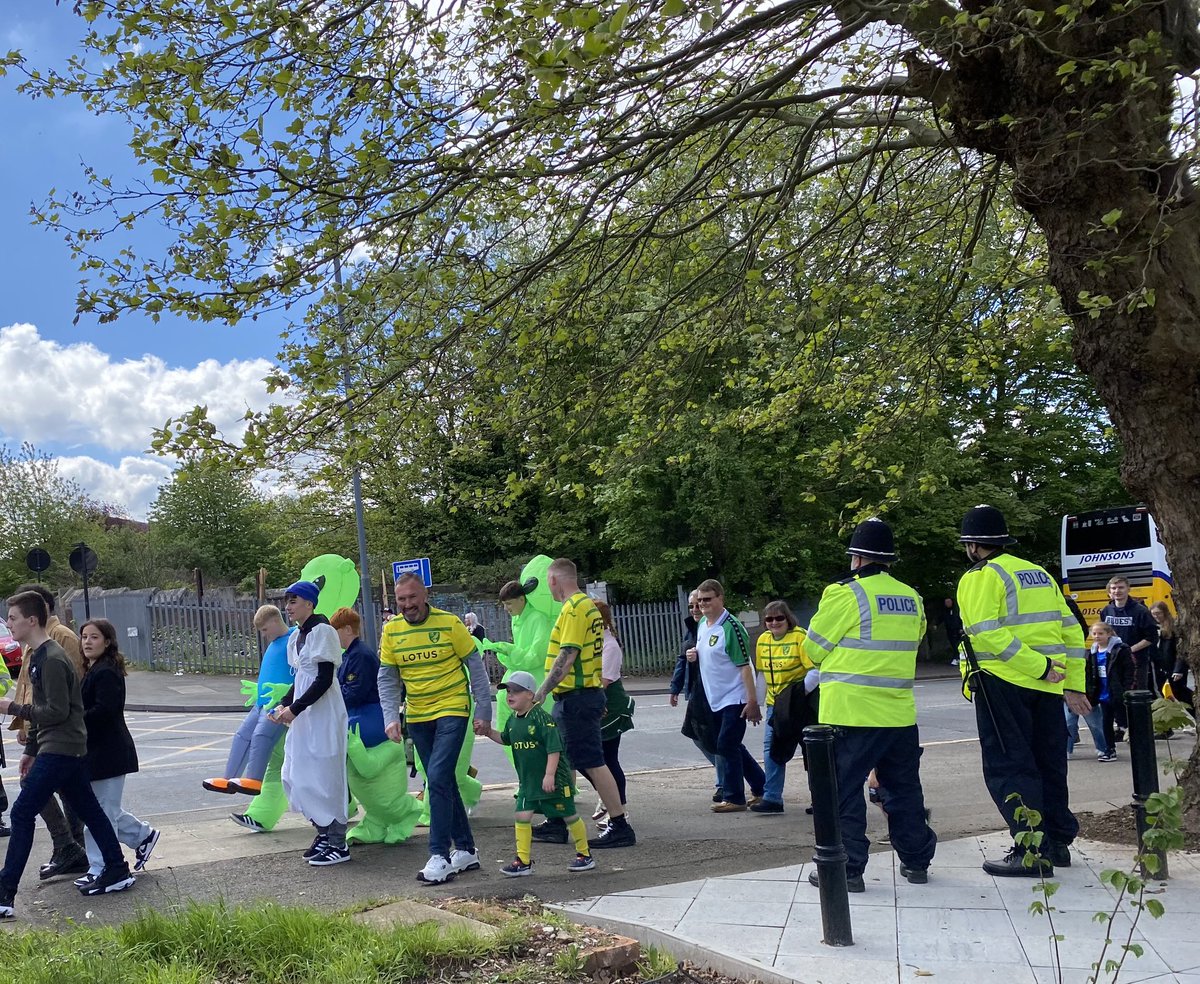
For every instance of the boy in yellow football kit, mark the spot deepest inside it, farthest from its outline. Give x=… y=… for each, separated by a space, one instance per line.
x=544 y=779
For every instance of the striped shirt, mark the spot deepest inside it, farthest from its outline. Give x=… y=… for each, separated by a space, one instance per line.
x=429 y=657
x=579 y=626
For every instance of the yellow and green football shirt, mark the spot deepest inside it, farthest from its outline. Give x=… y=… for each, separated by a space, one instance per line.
x=430 y=658
x=580 y=626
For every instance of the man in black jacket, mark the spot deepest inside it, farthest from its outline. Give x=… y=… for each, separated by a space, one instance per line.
x=55 y=755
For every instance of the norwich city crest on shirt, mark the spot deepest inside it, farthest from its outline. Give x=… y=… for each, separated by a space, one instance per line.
x=532 y=729
x=712 y=639
x=787 y=649
x=434 y=636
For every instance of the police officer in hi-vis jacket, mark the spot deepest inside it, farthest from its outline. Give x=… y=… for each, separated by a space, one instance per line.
x=864 y=638
x=1026 y=656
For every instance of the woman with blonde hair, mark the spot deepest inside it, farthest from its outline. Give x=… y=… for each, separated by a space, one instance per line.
x=619 y=716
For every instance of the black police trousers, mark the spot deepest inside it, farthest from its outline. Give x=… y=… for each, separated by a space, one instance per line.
x=1023 y=739
x=895 y=755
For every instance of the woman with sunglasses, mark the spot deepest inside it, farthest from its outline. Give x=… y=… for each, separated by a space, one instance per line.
x=779 y=658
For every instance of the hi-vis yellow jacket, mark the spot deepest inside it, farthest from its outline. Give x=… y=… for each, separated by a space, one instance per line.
x=1017 y=619
x=864 y=637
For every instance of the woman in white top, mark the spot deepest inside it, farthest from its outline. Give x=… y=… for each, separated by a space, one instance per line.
x=314 y=753
x=619 y=717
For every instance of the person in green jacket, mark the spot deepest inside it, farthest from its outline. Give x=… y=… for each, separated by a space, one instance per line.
x=527 y=652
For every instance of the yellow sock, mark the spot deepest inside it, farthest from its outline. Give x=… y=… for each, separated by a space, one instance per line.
x=578 y=830
x=524 y=841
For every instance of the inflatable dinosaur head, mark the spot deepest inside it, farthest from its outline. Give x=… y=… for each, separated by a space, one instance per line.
x=537 y=586
x=337 y=577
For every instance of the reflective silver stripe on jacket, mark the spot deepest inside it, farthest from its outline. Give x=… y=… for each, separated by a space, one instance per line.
x=1050 y=650
x=820 y=640
x=1010 y=588
x=864 y=611
x=880 y=645
x=1027 y=618
x=866 y=680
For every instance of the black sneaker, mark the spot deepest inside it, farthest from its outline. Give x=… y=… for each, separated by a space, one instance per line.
x=854 y=883
x=1013 y=865
x=5 y=829
x=718 y=797
x=75 y=863
x=915 y=876
x=84 y=880
x=331 y=855
x=551 y=832
x=1058 y=855
x=318 y=846
x=7 y=906
x=615 y=836
x=247 y=821
x=766 y=806
x=114 y=878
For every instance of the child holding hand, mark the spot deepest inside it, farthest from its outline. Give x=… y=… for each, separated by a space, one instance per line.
x=544 y=778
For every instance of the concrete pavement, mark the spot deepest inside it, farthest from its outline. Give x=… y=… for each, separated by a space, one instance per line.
x=963 y=927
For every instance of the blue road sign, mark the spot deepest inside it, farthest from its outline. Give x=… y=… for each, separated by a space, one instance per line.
x=419 y=566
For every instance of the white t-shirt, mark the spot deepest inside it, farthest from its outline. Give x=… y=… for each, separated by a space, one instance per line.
x=723 y=651
x=611 y=658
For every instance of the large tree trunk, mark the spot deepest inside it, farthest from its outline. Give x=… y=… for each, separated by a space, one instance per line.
x=1093 y=166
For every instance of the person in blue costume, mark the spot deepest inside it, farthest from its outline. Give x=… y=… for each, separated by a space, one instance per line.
x=257 y=736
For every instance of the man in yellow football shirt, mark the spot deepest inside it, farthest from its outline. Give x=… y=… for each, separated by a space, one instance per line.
x=428 y=653
x=573 y=676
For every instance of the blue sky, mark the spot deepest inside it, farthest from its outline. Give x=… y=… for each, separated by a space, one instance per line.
x=90 y=393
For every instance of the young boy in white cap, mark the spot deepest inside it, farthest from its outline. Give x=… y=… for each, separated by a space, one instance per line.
x=544 y=777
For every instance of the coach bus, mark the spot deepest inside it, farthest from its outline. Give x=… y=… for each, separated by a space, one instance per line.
x=1105 y=543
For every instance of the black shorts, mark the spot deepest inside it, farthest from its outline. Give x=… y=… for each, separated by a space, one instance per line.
x=577 y=714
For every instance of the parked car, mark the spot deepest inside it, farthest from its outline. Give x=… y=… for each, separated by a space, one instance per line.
x=10 y=649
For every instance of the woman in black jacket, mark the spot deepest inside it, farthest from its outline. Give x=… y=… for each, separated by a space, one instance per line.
x=1174 y=661
x=111 y=754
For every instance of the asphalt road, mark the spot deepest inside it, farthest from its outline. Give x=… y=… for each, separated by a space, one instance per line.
x=670 y=787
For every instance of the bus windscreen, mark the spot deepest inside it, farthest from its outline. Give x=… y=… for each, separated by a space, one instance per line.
x=1107 y=533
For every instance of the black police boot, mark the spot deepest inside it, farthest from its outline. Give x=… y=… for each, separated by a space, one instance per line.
x=1058 y=855
x=1019 y=864
x=552 y=831
x=854 y=883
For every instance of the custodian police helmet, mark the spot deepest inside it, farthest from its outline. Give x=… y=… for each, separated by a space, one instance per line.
x=873 y=540
x=986 y=525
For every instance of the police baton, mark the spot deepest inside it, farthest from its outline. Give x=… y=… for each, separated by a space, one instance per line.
x=978 y=674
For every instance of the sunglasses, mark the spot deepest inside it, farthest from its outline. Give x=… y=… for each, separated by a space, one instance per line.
x=694 y=604
x=774 y=618
x=705 y=601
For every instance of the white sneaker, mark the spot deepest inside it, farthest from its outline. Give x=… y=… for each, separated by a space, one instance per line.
x=600 y=812
x=437 y=870
x=464 y=861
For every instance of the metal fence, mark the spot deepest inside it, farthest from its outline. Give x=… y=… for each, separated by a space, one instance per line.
x=177 y=632
x=210 y=635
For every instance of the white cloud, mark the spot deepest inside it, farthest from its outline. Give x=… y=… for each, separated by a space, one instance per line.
x=133 y=484
x=77 y=396
x=72 y=395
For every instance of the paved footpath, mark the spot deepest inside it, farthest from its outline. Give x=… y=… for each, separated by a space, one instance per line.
x=963 y=927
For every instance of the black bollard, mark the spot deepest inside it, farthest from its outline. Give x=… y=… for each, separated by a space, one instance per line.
x=830 y=856
x=1144 y=763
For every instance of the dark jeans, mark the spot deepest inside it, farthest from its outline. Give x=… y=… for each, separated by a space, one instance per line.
x=612 y=752
x=1033 y=760
x=738 y=767
x=64 y=825
x=68 y=775
x=895 y=755
x=439 y=743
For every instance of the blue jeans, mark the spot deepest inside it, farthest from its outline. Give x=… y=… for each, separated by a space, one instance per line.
x=68 y=776
x=252 y=745
x=1095 y=723
x=713 y=761
x=439 y=743
x=737 y=765
x=775 y=773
